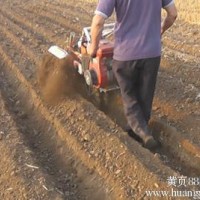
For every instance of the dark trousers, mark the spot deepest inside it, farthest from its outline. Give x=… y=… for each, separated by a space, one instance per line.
x=137 y=80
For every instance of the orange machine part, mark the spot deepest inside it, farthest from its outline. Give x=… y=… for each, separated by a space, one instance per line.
x=98 y=65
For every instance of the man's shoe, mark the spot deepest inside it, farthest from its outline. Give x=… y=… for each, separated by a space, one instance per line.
x=150 y=143
x=132 y=134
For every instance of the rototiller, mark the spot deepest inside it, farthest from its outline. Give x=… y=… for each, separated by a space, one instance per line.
x=97 y=72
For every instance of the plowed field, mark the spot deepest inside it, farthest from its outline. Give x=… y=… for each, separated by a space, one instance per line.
x=77 y=149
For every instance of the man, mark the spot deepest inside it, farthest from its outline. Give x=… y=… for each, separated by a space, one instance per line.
x=137 y=52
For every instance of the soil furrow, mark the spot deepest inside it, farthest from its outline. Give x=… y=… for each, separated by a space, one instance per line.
x=191 y=50
x=86 y=9
x=71 y=10
x=69 y=176
x=60 y=22
x=170 y=59
x=184 y=32
x=30 y=53
x=72 y=142
x=69 y=13
x=25 y=35
x=29 y=25
x=179 y=157
x=19 y=53
x=19 y=44
x=67 y=137
x=169 y=157
x=21 y=177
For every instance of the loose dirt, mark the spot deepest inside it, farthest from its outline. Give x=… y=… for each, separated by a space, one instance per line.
x=57 y=78
x=20 y=175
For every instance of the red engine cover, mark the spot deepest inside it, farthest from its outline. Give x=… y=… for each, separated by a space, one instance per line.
x=101 y=63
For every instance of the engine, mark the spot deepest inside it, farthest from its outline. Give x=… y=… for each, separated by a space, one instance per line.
x=99 y=73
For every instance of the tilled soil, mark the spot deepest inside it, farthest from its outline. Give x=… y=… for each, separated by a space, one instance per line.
x=75 y=149
x=21 y=176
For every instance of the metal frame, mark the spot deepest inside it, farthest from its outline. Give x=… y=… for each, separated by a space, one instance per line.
x=107 y=30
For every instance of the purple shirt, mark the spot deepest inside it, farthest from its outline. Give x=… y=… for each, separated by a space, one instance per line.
x=137 y=28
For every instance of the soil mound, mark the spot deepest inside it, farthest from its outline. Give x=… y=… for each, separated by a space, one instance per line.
x=57 y=78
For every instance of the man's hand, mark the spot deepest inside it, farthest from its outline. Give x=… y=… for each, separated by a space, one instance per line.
x=92 y=50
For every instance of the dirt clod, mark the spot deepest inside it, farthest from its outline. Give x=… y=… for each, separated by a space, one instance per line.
x=57 y=78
